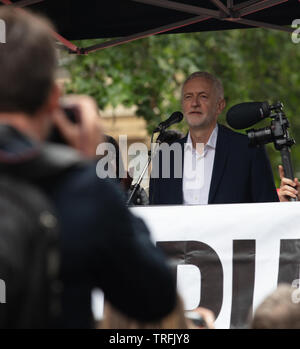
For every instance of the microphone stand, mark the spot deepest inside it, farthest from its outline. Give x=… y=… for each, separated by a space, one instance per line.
x=136 y=187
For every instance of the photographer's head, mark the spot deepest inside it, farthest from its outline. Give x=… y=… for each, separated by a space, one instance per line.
x=28 y=93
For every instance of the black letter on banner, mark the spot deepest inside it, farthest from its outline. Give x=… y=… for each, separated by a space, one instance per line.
x=209 y=264
x=243 y=274
x=289 y=261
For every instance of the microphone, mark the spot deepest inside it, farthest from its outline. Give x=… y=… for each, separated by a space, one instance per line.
x=176 y=117
x=244 y=115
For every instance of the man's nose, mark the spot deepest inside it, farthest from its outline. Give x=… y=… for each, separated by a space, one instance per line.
x=195 y=101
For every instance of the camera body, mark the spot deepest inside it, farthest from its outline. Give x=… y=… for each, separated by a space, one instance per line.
x=277 y=132
x=73 y=114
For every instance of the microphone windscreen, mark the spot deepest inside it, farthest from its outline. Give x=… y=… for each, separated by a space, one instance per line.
x=244 y=115
x=177 y=116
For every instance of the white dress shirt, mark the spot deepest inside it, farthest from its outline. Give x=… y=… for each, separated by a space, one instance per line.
x=197 y=171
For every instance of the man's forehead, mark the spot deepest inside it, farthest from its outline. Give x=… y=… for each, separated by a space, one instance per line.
x=198 y=84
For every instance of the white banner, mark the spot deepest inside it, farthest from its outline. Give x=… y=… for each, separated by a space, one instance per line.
x=229 y=257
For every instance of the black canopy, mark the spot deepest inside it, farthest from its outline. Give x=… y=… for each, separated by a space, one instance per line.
x=133 y=19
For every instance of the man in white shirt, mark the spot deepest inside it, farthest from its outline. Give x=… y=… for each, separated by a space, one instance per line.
x=218 y=166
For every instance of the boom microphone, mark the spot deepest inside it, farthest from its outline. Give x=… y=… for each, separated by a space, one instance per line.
x=244 y=115
x=176 y=117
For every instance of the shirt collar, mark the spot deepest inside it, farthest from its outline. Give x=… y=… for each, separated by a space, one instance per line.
x=212 y=142
x=189 y=141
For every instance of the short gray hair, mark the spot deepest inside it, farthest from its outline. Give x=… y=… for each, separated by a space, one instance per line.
x=278 y=311
x=217 y=84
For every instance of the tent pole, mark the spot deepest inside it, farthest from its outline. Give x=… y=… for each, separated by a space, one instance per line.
x=221 y=6
x=245 y=4
x=248 y=7
x=260 y=6
x=73 y=48
x=144 y=34
x=252 y=7
x=263 y=25
x=172 y=5
x=235 y=15
x=230 y=4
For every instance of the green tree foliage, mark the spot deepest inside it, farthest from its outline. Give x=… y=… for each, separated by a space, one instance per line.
x=254 y=65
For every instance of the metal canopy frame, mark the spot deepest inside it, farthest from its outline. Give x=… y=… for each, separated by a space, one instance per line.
x=22 y=3
x=230 y=12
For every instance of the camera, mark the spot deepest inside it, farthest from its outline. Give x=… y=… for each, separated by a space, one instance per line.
x=73 y=114
x=277 y=132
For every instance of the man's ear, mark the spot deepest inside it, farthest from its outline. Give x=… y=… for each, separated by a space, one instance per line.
x=53 y=99
x=221 y=106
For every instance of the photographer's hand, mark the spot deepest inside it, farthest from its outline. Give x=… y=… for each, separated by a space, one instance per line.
x=288 y=188
x=87 y=133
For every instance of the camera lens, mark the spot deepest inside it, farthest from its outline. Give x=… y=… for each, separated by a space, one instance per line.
x=260 y=136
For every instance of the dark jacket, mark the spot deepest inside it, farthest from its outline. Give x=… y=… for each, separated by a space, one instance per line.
x=241 y=174
x=102 y=244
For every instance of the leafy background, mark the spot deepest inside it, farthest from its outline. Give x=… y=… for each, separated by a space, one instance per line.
x=253 y=64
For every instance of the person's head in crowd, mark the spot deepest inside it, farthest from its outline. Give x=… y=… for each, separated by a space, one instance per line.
x=280 y=310
x=28 y=64
x=202 y=100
